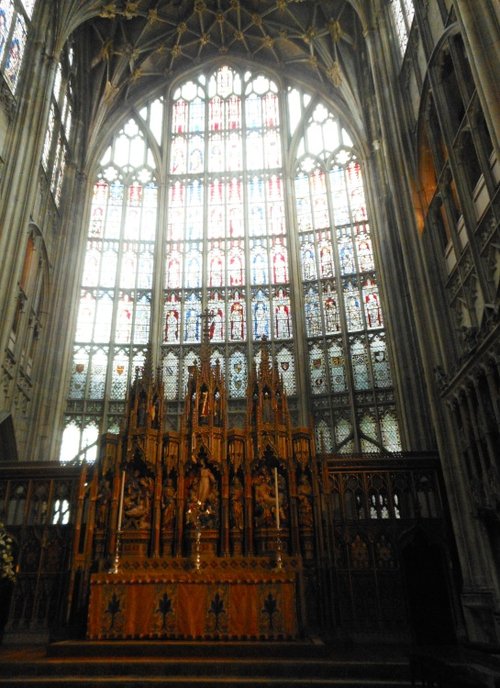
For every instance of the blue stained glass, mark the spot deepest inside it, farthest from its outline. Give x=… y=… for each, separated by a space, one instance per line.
x=346 y=251
x=116 y=192
x=15 y=52
x=260 y=314
x=6 y=13
x=192 y=319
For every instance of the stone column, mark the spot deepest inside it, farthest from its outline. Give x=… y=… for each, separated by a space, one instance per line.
x=19 y=185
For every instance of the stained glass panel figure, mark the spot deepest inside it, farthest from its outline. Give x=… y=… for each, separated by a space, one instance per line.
x=237 y=317
x=331 y=308
x=282 y=316
x=312 y=313
x=353 y=305
x=172 y=319
x=346 y=251
x=308 y=257
x=279 y=262
x=192 y=322
x=217 y=318
x=364 y=249
x=260 y=314
x=373 y=312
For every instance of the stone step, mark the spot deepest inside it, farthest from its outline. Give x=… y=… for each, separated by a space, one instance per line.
x=277 y=649
x=209 y=668
x=196 y=682
x=72 y=664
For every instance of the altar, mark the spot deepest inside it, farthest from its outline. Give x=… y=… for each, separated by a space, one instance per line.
x=209 y=531
x=226 y=599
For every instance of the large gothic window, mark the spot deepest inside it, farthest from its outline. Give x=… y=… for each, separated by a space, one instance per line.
x=237 y=250
x=349 y=372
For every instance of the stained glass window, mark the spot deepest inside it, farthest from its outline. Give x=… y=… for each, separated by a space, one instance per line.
x=113 y=322
x=57 y=138
x=344 y=325
x=232 y=259
x=14 y=25
x=238 y=247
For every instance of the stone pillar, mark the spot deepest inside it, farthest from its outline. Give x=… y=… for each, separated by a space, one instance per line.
x=26 y=137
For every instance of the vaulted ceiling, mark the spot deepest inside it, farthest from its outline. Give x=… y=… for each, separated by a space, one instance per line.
x=132 y=46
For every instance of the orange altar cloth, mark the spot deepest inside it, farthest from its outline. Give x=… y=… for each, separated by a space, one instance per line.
x=226 y=599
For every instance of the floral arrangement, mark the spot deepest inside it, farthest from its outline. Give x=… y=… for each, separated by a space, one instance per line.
x=6 y=559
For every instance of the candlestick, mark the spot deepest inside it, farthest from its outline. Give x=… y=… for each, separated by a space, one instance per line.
x=277 y=498
x=120 y=505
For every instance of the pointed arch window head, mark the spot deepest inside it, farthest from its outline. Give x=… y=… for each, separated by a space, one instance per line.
x=228 y=235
